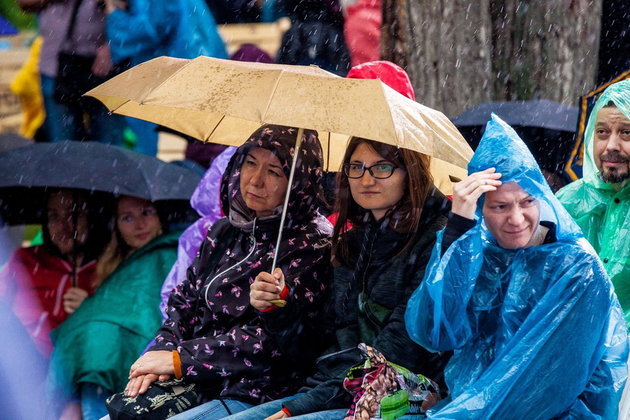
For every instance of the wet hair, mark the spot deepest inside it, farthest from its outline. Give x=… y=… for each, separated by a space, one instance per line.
x=404 y=216
x=99 y=215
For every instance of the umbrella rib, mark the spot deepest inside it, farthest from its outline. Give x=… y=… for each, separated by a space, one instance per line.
x=207 y=138
x=273 y=92
x=393 y=125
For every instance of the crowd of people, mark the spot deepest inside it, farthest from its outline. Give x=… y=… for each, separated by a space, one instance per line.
x=378 y=297
x=499 y=300
x=85 y=42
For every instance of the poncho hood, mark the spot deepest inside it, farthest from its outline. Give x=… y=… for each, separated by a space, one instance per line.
x=619 y=94
x=501 y=148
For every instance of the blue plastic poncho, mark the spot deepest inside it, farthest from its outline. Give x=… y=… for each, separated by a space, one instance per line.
x=537 y=332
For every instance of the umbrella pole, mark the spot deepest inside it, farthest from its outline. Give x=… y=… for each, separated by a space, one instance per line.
x=298 y=144
x=75 y=233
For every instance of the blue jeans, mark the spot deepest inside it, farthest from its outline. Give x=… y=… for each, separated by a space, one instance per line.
x=66 y=122
x=93 y=401
x=262 y=411
x=215 y=409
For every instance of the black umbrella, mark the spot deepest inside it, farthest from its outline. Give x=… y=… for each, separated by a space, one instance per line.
x=25 y=173
x=10 y=141
x=547 y=127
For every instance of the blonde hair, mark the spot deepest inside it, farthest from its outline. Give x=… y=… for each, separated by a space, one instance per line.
x=115 y=253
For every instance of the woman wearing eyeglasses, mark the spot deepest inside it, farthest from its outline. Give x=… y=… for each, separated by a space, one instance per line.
x=389 y=213
x=94 y=349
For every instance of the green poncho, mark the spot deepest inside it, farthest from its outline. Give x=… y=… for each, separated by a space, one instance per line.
x=599 y=209
x=100 y=341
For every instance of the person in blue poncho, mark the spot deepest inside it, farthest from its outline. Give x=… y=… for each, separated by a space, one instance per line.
x=520 y=296
x=140 y=30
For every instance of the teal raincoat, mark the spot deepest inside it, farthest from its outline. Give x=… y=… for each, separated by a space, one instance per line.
x=98 y=343
x=537 y=332
x=599 y=208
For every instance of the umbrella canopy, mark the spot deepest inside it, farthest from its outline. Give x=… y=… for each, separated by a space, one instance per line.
x=10 y=141
x=547 y=127
x=224 y=101
x=91 y=166
x=540 y=113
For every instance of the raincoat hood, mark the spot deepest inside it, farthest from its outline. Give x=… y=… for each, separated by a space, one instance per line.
x=619 y=94
x=205 y=195
x=599 y=208
x=503 y=149
x=306 y=189
x=387 y=72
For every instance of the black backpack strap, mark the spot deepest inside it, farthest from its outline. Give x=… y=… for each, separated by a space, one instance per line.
x=73 y=21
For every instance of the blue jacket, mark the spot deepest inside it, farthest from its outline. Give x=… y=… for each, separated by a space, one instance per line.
x=176 y=28
x=538 y=332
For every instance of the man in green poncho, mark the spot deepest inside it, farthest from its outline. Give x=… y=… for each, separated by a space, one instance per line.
x=600 y=201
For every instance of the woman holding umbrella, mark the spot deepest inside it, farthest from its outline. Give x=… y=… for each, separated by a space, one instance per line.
x=387 y=195
x=45 y=284
x=104 y=336
x=212 y=337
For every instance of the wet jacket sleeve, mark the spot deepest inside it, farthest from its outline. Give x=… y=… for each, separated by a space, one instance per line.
x=307 y=278
x=204 y=358
x=456 y=227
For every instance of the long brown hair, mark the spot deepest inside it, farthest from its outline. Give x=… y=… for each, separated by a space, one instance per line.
x=407 y=212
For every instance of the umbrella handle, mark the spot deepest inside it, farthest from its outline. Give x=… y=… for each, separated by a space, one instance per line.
x=298 y=144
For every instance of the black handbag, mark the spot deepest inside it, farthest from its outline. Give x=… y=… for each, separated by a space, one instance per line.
x=74 y=71
x=161 y=401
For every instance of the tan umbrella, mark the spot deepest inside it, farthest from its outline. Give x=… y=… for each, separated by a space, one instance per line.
x=224 y=101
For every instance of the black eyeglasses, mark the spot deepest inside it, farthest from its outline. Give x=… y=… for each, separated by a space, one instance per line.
x=378 y=171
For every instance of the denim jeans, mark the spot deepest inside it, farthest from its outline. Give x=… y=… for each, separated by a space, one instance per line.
x=93 y=401
x=215 y=409
x=262 y=411
x=66 y=122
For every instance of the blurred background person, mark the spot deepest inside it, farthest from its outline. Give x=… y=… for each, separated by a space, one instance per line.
x=315 y=36
x=44 y=284
x=140 y=30
x=94 y=351
x=76 y=27
x=362 y=29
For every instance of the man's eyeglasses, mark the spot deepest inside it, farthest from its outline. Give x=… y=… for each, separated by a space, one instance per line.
x=378 y=171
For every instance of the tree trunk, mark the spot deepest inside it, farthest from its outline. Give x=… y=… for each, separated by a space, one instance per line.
x=459 y=53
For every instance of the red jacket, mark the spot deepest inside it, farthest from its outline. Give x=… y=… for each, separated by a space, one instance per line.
x=33 y=284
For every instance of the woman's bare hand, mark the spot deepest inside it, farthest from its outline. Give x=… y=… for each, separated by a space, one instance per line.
x=73 y=298
x=467 y=191
x=279 y=415
x=153 y=362
x=266 y=287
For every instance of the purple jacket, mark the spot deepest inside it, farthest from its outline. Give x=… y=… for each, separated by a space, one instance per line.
x=206 y=200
